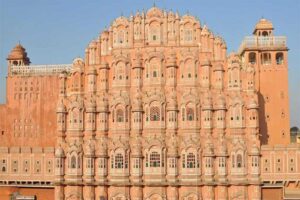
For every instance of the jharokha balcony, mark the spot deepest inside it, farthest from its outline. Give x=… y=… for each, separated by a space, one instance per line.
x=255 y=42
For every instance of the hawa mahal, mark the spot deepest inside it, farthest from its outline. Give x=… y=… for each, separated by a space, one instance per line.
x=156 y=110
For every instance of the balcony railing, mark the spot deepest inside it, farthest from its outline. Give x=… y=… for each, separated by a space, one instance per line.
x=40 y=69
x=257 y=42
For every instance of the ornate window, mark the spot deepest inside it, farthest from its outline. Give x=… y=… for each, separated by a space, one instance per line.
x=73 y=162
x=279 y=58
x=266 y=58
x=154 y=113
x=154 y=74
x=102 y=163
x=191 y=160
x=254 y=161
x=119 y=161
x=120 y=115
x=121 y=37
x=154 y=34
x=239 y=161
x=190 y=114
x=154 y=159
x=252 y=58
x=222 y=162
x=136 y=163
x=188 y=35
x=172 y=162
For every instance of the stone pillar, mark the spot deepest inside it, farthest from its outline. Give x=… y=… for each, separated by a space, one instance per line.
x=59 y=192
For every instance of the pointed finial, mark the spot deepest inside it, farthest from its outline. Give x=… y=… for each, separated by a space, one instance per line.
x=154 y=4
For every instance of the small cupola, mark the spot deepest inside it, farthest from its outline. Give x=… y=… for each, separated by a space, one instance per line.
x=18 y=56
x=263 y=28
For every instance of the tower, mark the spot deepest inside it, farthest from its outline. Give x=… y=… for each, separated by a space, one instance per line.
x=268 y=55
x=17 y=57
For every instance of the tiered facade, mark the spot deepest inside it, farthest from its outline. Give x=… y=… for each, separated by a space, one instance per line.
x=156 y=110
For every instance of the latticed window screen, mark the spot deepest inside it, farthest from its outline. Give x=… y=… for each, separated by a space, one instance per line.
x=154 y=113
x=126 y=160
x=154 y=159
x=239 y=160
x=188 y=35
x=190 y=114
x=119 y=161
x=73 y=162
x=191 y=160
x=120 y=115
x=121 y=37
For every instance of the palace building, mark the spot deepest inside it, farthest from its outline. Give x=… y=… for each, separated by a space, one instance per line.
x=156 y=110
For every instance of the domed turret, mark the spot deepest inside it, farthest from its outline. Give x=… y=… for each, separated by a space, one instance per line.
x=264 y=27
x=18 y=56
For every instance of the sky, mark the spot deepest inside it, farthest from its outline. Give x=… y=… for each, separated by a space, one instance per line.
x=56 y=31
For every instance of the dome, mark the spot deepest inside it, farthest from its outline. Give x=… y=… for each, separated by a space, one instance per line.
x=17 y=53
x=264 y=24
x=154 y=12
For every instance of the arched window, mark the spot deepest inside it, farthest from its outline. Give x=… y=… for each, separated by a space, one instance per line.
x=252 y=58
x=266 y=58
x=73 y=162
x=3 y=169
x=191 y=160
x=265 y=33
x=15 y=62
x=154 y=113
x=121 y=36
x=154 y=74
x=239 y=161
x=279 y=58
x=120 y=115
x=154 y=34
x=154 y=159
x=190 y=114
x=119 y=161
x=188 y=35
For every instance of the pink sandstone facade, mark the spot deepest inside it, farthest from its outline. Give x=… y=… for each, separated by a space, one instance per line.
x=156 y=110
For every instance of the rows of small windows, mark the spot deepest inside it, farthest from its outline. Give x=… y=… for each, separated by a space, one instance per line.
x=154 y=159
x=156 y=113
x=279 y=165
x=27 y=165
x=120 y=37
x=266 y=58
